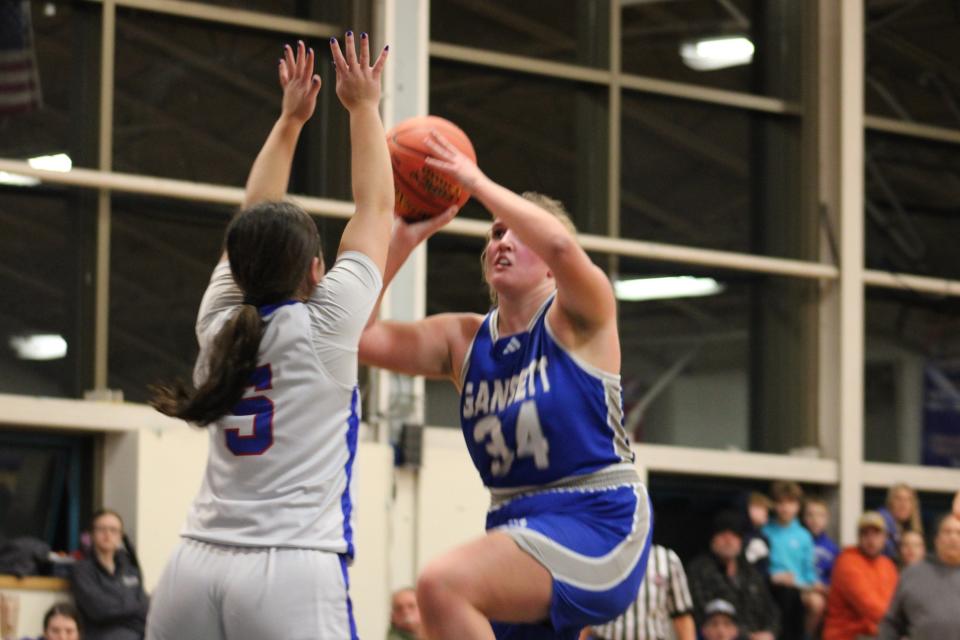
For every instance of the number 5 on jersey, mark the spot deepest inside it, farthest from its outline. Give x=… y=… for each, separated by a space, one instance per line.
x=261 y=408
x=530 y=440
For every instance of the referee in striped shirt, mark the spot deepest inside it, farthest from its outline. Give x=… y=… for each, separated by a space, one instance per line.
x=664 y=599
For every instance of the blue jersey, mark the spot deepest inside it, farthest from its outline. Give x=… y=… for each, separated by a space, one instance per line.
x=532 y=413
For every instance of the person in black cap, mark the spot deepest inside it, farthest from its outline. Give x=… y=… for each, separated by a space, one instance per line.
x=724 y=574
x=720 y=621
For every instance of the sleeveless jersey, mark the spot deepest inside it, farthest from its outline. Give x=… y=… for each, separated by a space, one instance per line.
x=532 y=413
x=280 y=465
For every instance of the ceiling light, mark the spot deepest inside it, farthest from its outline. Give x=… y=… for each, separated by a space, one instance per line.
x=666 y=287
x=60 y=162
x=17 y=180
x=57 y=162
x=708 y=54
x=39 y=346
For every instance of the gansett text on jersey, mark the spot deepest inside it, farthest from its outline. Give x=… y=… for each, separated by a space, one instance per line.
x=492 y=396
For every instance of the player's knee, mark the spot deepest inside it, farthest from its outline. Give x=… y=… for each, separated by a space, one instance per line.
x=436 y=587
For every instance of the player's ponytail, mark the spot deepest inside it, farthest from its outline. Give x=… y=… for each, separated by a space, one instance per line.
x=271 y=247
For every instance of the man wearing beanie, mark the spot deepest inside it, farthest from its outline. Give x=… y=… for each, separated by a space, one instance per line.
x=724 y=574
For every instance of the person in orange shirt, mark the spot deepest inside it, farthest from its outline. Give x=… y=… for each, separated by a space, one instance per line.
x=863 y=584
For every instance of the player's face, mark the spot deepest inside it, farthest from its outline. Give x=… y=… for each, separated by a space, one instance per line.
x=912 y=548
x=510 y=265
x=948 y=541
x=815 y=517
x=61 y=628
x=107 y=532
x=720 y=627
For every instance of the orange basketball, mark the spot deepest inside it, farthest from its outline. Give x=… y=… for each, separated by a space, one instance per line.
x=422 y=191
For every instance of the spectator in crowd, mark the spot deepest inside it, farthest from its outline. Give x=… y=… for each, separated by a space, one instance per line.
x=725 y=574
x=404 y=616
x=663 y=601
x=816 y=518
x=756 y=546
x=720 y=621
x=795 y=586
x=902 y=513
x=863 y=583
x=913 y=548
x=925 y=604
x=61 y=622
x=107 y=586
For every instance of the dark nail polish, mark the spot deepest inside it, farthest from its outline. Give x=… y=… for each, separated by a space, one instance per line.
x=363 y=35
x=349 y=33
x=332 y=40
x=386 y=48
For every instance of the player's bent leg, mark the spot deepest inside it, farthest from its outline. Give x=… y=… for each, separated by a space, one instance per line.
x=488 y=578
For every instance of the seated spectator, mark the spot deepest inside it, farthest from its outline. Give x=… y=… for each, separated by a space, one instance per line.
x=663 y=601
x=720 y=621
x=61 y=622
x=404 y=616
x=107 y=586
x=863 y=583
x=756 y=547
x=816 y=518
x=795 y=586
x=925 y=604
x=901 y=513
x=913 y=549
x=725 y=574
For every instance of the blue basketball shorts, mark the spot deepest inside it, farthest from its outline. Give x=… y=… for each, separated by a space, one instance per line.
x=594 y=543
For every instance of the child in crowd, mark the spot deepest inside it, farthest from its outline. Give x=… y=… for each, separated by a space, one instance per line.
x=913 y=548
x=794 y=580
x=816 y=517
x=756 y=546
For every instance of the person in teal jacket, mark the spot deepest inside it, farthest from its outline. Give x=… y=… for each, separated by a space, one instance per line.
x=793 y=575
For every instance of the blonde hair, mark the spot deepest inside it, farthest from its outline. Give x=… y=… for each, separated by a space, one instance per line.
x=914 y=523
x=548 y=204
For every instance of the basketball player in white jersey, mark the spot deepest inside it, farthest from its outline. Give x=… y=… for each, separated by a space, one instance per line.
x=269 y=536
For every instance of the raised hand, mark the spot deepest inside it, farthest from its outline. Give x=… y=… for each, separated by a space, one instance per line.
x=407 y=235
x=300 y=84
x=358 y=82
x=450 y=160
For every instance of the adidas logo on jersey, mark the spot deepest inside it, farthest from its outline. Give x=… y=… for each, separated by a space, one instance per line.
x=513 y=345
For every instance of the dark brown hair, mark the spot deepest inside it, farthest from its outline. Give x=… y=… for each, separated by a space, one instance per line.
x=785 y=490
x=271 y=246
x=64 y=609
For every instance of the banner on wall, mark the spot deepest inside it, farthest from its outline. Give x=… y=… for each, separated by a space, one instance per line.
x=941 y=415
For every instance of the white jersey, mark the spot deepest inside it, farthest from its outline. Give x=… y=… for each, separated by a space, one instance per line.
x=280 y=465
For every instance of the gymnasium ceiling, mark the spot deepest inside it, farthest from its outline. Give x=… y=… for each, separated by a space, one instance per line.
x=193 y=101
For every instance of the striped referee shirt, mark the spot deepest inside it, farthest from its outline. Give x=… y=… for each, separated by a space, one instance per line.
x=663 y=595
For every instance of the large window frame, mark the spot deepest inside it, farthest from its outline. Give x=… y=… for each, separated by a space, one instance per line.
x=831 y=113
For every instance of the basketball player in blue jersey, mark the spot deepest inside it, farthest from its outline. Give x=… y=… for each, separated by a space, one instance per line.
x=269 y=536
x=569 y=525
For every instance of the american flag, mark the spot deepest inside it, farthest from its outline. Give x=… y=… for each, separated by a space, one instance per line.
x=19 y=80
